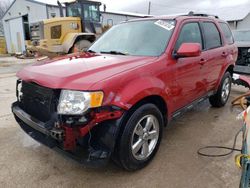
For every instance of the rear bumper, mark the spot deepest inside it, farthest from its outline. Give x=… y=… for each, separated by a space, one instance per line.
x=95 y=152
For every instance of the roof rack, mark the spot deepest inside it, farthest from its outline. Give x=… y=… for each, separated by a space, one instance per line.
x=191 y=13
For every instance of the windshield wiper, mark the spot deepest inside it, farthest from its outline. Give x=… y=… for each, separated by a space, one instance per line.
x=91 y=51
x=114 y=52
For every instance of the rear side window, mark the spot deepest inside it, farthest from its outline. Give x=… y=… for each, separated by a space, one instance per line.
x=190 y=33
x=227 y=33
x=211 y=35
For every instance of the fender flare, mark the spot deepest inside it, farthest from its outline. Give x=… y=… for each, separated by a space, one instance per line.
x=71 y=38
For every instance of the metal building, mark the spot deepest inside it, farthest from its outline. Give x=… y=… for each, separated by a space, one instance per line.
x=16 y=20
x=238 y=17
x=113 y=18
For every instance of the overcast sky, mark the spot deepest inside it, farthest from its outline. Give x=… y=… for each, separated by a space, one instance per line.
x=175 y=6
x=159 y=7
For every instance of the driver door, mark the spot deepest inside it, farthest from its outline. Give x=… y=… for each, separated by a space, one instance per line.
x=188 y=70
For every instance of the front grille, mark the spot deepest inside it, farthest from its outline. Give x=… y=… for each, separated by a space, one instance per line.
x=38 y=101
x=56 y=32
x=37 y=31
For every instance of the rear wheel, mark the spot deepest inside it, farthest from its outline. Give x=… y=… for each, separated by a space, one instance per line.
x=80 y=46
x=141 y=137
x=222 y=95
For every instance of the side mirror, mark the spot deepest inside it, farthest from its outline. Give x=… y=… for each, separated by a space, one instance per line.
x=189 y=50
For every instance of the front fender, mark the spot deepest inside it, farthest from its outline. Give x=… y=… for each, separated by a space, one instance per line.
x=136 y=90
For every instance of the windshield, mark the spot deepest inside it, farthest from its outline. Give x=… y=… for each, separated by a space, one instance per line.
x=242 y=35
x=139 y=38
x=74 y=10
x=91 y=12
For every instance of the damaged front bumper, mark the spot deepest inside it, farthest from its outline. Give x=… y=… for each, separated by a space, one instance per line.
x=90 y=144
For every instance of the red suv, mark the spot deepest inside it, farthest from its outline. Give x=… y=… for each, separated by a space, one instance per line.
x=114 y=100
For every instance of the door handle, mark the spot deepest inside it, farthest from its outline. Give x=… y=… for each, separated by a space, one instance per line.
x=224 y=54
x=202 y=61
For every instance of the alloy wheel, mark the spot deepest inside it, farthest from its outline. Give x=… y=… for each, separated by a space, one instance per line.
x=145 y=137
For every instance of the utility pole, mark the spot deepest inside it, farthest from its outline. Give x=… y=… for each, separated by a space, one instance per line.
x=149 y=7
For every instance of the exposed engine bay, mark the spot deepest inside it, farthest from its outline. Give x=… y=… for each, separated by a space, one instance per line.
x=243 y=56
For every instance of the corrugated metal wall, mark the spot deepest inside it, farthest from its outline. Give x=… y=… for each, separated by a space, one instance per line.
x=245 y=23
x=240 y=25
x=113 y=19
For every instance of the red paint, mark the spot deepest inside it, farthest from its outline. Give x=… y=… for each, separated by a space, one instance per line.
x=70 y=138
x=246 y=79
x=189 y=50
x=127 y=79
x=72 y=134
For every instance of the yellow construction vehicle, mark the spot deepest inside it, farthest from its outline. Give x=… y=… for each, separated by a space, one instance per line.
x=62 y=35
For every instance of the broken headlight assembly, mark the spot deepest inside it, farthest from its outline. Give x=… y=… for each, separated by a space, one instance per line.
x=77 y=102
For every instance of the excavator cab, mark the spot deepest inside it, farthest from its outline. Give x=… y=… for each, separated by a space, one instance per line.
x=89 y=12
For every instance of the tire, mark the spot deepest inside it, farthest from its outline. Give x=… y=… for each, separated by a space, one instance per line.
x=220 y=98
x=80 y=46
x=147 y=140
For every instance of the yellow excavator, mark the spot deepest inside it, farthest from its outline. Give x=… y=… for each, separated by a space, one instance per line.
x=76 y=31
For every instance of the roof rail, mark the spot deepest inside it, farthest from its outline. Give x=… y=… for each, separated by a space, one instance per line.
x=191 y=13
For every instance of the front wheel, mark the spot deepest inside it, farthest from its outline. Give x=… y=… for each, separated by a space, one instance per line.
x=80 y=46
x=220 y=98
x=141 y=137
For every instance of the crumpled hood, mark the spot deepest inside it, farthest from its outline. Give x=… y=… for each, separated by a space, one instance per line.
x=79 y=72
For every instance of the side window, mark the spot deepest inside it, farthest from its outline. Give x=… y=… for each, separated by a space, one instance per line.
x=212 y=35
x=190 y=33
x=227 y=33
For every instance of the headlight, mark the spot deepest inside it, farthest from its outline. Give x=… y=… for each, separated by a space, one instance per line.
x=76 y=102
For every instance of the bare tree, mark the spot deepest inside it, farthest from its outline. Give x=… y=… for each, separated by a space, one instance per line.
x=4 y=5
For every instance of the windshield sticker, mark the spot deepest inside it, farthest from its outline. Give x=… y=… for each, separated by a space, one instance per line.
x=166 y=25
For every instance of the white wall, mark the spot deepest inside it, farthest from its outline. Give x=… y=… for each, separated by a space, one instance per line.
x=107 y=17
x=54 y=10
x=35 y=11
x=245 y=23
x=20 y=8
x=232 y=25
x=6 y=28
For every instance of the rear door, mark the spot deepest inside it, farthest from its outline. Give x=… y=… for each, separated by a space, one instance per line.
x=231 y=48
x=217 y=54
x=187 y=70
